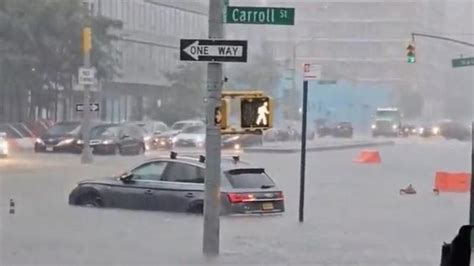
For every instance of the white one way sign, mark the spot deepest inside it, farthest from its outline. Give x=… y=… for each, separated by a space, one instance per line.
x=213 y=50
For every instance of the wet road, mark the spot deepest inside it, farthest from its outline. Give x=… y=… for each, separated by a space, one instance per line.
x=354 y=214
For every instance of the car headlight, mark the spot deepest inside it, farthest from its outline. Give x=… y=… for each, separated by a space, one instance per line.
x=147 y=138
x=107 y=141
x=39 y=141
x=373 y=126
x=435 y=130
x=66 y=141
x=421 y=130
x=237 y=147
x=395 y=126
x=80 y=142
x=174 y=140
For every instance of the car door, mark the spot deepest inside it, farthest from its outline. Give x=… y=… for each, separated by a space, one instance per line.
x=126 y=140
x=142 y=191
x=184 y=186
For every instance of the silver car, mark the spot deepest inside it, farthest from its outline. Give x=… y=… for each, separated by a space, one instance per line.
x=177 y=184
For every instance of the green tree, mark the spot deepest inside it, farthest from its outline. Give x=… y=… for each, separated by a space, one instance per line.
x=41 y=46
x=184 y=98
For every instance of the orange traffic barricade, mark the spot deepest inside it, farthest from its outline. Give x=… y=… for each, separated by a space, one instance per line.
x=452 y=182
x=368 y=156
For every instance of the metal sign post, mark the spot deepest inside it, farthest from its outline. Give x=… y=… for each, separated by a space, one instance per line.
x=310 y=72
x=212 y=182
x=471 y=209
x=86 y=157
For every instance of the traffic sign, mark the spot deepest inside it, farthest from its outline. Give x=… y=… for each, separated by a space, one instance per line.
x=462 y=62
x=94 y=107
x=213 y=50
x=256 y=112
x=260 y=15
x=311 y=71
x=86 y=76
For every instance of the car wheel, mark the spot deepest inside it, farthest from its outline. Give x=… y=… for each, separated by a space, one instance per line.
x=141 y=150
x=116 y=150
x=90 y=200
x=196 y=208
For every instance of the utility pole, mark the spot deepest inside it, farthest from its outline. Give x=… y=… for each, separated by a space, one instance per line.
x=303 y=150
x=213 y=139
x=471 y=209
x=86 y=157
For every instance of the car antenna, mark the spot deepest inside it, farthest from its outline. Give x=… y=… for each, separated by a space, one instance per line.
x=202 y=158
x=173 y=155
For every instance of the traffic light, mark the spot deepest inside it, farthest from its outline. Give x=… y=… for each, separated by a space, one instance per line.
x=411 y=57
x=221 y=115
x=256 y=112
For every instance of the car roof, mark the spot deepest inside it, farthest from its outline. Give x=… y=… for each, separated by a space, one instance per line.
x=226 y=162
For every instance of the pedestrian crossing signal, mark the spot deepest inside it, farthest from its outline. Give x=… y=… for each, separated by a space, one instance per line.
x=221 y=114
x=256 y=112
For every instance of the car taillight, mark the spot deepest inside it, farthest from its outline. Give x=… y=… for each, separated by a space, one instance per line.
x=240 y=197
x=279 y=195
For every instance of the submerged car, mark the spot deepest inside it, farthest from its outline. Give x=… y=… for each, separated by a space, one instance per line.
x=194 y=136
x=115 y=139
x=3 y=144
x=177 y=184
x=343 y=130
x=237 y=142
x=62 y=137
x=151 y=131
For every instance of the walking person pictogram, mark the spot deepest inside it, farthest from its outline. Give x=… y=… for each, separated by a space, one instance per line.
x=262 y=114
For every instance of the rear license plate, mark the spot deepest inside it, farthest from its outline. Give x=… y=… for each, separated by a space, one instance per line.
x=267 y=206
x=49 y=149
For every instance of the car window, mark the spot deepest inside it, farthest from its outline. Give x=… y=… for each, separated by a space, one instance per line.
x=60 y=129
x=180 y=172
x=161 y=127
x=149 y=171
x=249 y=178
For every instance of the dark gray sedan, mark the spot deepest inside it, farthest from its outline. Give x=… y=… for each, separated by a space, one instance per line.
x=177 y=184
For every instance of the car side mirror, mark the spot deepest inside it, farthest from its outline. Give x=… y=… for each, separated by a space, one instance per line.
x=124 y=136
x=126 y=177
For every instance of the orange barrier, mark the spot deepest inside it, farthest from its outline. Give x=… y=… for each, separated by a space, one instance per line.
x=452 y=182
x=368 y=156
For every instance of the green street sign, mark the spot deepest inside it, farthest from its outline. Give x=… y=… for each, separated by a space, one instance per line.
x=462 y=62
x=260 y=15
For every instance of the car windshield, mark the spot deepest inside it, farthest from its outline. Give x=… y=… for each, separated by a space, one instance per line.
x=104 y=131
x=249 y=178
x=62 y=129
x=195 y=129
x=179 y=125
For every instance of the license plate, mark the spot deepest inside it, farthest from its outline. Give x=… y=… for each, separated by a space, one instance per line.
x=267 y=206
x=49 y=149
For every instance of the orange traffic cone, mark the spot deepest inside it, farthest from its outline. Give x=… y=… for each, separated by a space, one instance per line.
x=452 y=182
x=368 y=156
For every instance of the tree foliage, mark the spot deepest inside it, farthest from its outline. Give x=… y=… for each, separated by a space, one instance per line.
x=40 y=44
x=184 y=99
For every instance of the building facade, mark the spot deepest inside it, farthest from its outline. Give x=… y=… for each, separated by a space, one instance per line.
x=149 y=49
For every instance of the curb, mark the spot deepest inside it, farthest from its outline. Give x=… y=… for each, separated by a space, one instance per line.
x=320 y=148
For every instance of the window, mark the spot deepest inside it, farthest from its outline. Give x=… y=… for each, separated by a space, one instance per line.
x=249 y=178
x=180 y=172
x=149 y=171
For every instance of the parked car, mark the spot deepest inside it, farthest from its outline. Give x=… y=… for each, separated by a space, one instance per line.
x=152 y=130
x=115 y=139
x=3 y=144
x=455 y=130
x=343 y=130
x=238 y=141
x=177 y=184
x=194 y=136
x=63 y=137
x=276 y=134
x=323 y=127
